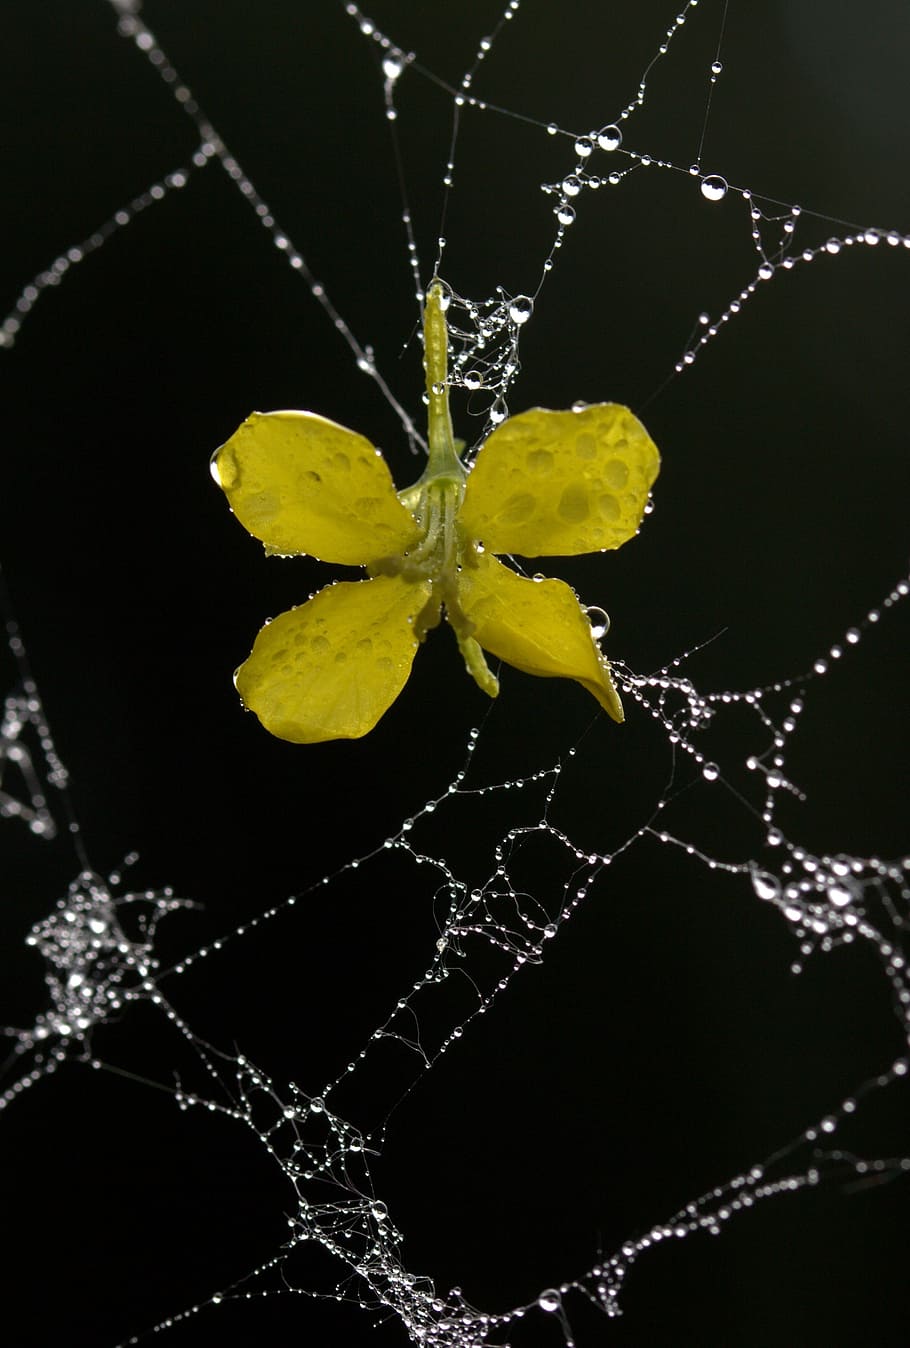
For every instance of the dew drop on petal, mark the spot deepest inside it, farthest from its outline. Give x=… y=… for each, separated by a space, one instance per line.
x=599 y=620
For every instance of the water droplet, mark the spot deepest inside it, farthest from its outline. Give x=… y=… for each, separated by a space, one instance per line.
x=473 y=379
x=550 y=1300
x=765 y=886
x=571 y=185
x=716 y=67
x=521 y=309
x=584 y=146
x=714 y=187
x=565 y=214
x=710 y=772
x=600 y=622
x=609 y=138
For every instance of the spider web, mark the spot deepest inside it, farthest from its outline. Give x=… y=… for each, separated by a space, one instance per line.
x=458 y=1024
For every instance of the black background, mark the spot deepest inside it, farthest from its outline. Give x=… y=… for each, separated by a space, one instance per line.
x=664 y=1045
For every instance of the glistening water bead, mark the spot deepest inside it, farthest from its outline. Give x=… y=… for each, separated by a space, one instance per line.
x=609 y=138
x=714 y=187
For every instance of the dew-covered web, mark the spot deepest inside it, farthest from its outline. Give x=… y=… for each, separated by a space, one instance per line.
x=454 y=1026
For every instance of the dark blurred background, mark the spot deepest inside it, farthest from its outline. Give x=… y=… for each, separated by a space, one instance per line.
x=664 y=1045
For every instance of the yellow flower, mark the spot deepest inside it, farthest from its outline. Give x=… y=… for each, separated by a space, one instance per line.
x=544 y=483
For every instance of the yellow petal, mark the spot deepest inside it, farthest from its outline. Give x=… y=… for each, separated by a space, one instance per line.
x=537 y=626
x=301 y=483
x=330 y=668
x=560 y=483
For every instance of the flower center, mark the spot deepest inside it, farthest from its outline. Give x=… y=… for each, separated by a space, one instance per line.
x=435 y=500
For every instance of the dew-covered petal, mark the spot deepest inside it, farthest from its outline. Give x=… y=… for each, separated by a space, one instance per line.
x=537 y=626
x=330 y=668
x=560 y=483
x=301 y=483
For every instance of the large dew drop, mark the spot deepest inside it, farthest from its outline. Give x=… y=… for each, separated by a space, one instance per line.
x=609 y=138
x=714 y=187
x=599 y=620
x=766 y=886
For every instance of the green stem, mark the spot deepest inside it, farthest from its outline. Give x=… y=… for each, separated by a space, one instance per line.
x=443 y=459
x=435 y=499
